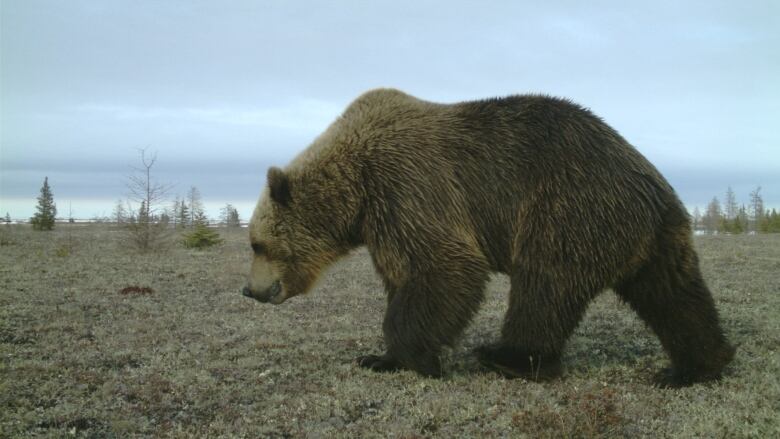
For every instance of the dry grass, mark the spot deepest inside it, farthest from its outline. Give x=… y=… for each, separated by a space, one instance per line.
x=100 y=341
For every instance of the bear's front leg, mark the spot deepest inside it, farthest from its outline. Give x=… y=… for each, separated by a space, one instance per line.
x=407 y=347
x=424 y=316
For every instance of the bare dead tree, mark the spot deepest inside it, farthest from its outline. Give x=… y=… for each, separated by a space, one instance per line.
x=730 y=207
x=148 y=229
x=120 y=213
x=756 y=209
x=195 y=206
x=229 y=217
x=696 y=218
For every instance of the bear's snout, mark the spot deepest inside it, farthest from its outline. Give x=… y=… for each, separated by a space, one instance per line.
x=272 y=294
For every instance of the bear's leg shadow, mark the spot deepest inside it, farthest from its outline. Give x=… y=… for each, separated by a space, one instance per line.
x=542 y=314
x=670 y=295
x=426 y=314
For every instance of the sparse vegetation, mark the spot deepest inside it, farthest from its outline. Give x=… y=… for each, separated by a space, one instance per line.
x=63 y=251
x=6 y=235
x=183 y=354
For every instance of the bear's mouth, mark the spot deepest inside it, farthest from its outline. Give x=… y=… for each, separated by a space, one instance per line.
x=273 y=294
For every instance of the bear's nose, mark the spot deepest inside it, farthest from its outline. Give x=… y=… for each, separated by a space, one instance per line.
x=246 y=292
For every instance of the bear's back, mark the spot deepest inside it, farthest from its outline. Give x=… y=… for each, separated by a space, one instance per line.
x=501 y=166
x=493 y=166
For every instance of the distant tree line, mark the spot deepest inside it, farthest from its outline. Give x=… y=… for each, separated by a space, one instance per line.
x=733 y=218
x=151 y=222
x=151 y=225
x=149 y=196
x=184 y=212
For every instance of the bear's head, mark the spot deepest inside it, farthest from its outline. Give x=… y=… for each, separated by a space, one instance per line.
x=289 y=239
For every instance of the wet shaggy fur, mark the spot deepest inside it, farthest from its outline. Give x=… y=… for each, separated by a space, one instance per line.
x=532 y=186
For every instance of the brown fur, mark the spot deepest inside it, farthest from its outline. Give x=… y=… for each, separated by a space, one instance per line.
x=532 y=186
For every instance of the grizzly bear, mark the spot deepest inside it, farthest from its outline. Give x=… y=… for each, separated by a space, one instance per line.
x=442 y=195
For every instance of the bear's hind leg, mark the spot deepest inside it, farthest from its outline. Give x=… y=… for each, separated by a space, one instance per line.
x=541 y=317
x=670 y=295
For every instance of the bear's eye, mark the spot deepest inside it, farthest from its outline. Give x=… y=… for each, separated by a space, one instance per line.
x=258 y=248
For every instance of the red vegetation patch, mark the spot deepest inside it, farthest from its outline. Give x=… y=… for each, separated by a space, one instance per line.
x=136 y=290
x=587 y=413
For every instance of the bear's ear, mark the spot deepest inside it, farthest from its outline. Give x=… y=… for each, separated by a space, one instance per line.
x=279 y=185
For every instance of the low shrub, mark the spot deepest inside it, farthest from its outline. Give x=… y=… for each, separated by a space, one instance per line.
x=201 y=237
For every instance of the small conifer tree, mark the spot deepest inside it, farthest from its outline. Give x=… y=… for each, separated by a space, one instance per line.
x=774 y=221
x=47 y=210
x=201 y=235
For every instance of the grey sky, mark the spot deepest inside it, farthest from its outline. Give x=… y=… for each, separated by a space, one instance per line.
x=223 y=89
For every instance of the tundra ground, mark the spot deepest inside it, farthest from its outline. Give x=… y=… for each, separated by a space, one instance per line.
x=98 y=340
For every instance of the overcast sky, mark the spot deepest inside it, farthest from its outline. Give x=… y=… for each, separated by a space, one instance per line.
x=223 y=89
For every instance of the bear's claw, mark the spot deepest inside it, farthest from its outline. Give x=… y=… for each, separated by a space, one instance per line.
x=378 y=363
x=514 y=363
x=671 y=378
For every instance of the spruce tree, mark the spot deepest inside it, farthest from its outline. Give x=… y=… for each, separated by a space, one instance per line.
x=201 y=235
x=774 y=221
x=184 y=214
x=741 y=221
x=47 y=210
x=175 y=212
